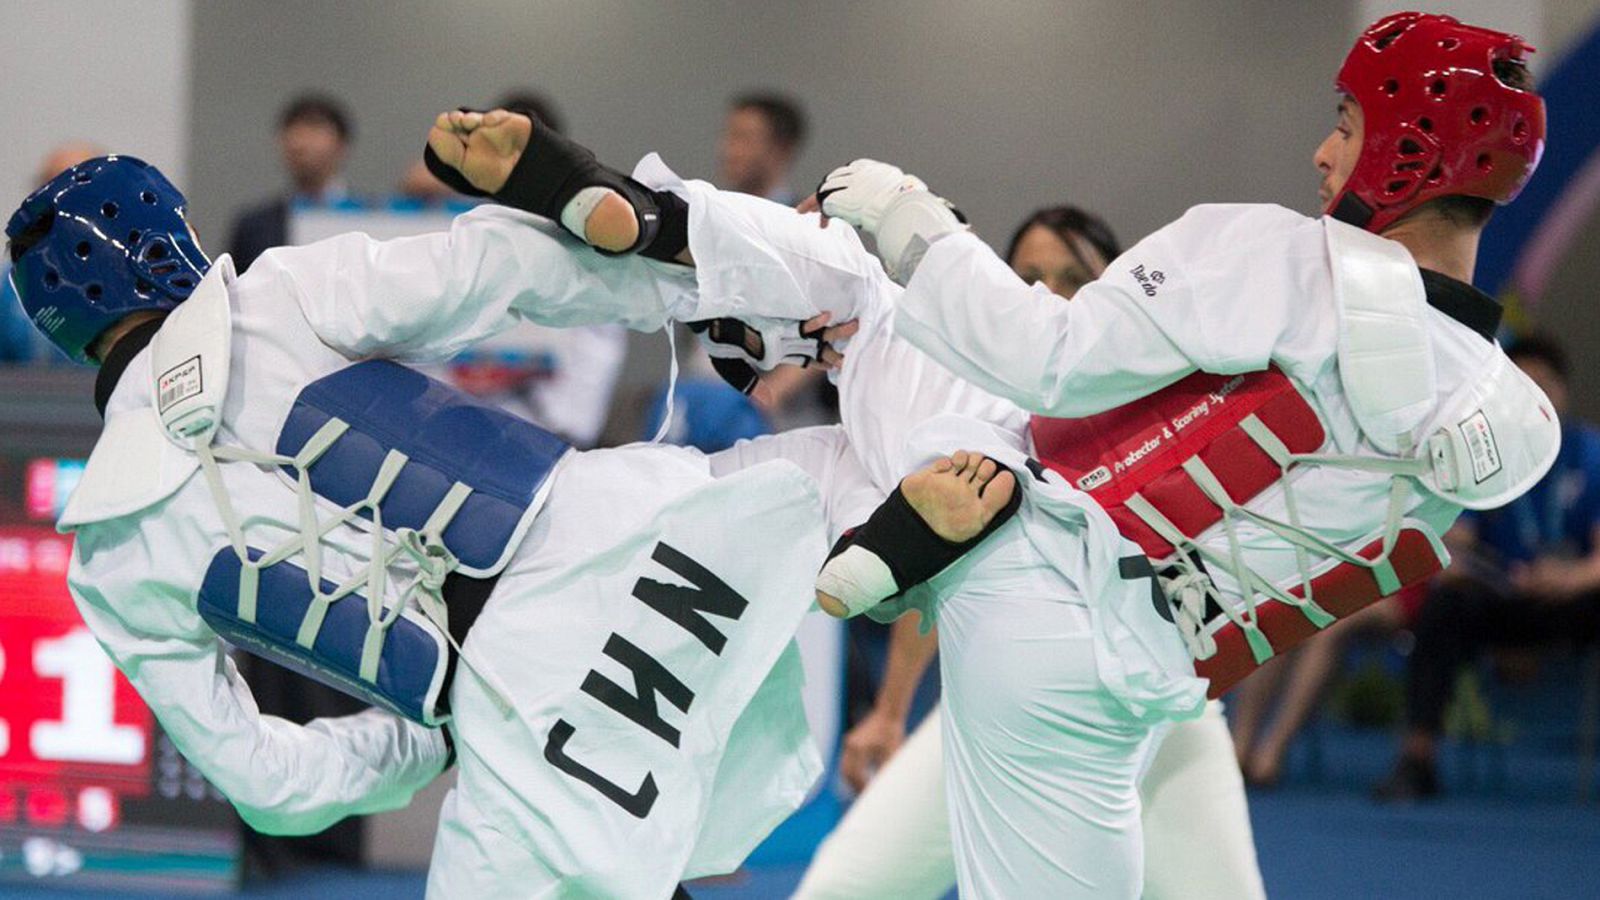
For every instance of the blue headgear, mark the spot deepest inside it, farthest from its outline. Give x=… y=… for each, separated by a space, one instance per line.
x=105 y=238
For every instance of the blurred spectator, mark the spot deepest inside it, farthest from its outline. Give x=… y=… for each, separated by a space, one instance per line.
x=314 y=134
x=1295 y=682
x=761 y=137
x=706 y=414
x=1525 y=575
x=63 y=157
x=422 y=190
x=20 y=342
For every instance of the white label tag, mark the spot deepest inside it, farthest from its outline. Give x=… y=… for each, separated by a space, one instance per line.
x=179 y=383
x=1481 y=448
x=1094 y=479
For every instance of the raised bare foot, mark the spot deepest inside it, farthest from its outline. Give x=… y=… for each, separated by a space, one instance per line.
x=960 y=495
x=485 y=148
x=957 y=496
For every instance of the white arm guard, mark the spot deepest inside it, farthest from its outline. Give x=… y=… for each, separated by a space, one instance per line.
x=911 y=224
x=897 y=209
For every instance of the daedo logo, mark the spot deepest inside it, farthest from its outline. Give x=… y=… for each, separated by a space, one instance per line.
x=1148 y=282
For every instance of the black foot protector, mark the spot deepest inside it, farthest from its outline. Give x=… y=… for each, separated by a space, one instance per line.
x=553 y=169
x=898 y=543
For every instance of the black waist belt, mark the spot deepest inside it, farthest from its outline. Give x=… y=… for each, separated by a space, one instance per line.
x=464 y=597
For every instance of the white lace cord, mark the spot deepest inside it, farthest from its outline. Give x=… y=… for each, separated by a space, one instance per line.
x=1181 y=542
x=1278 y=451
x=1250 y=583
x=665 y=427
x=434 y=561
x=1401 y=471
x=1188 y=592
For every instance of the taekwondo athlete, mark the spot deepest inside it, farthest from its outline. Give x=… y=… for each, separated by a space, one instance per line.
x=271 y=473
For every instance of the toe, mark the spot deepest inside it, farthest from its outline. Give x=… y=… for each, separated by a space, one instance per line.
x=958 y=461
x=986 y=469
x=998 y=493
x=943 y=464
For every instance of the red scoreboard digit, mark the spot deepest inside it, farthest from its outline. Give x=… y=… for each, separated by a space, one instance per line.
x=72 y=728
x=88 y=784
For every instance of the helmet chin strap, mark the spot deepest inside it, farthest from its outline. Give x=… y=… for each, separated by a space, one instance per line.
x=1351 y=210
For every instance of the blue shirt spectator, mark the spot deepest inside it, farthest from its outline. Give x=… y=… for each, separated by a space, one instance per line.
x=706 y=414
x=1560 y=514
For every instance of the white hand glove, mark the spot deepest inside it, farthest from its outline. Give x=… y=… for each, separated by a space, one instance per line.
x=860 y=192
x=897 y=209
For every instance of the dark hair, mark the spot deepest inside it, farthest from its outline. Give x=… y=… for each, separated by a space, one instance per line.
x=1542 y=347
x=317 y=109
x=784 y=115
x=536 y=105
x=1513 y=73
x=1065 y=221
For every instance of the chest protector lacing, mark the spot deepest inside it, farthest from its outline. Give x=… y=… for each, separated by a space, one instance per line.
x=1190 y=456
x=439 y=481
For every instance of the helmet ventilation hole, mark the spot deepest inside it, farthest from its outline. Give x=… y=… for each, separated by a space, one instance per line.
x=1438 y=87
x=156 y=252
x=83 y=249
x=1383 y=43
x=1409 y=147
x=1479 y=115
x=1436 y=174
x=1395 y=187
x=143 y=288
x=182 y=283
x=109 y=210
x=148 y=197
x=1425 y=123
x=1449 y=44
x=133 y=236
x=83 y=177
x=1519 y=131
x=52 y=280
x=1391 y=87
x=1485 y=162
x=93 y=291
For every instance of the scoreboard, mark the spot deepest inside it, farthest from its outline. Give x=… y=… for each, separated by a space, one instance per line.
x=92 y=794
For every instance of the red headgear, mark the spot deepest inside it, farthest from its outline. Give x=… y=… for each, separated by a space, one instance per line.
x=1437 y=120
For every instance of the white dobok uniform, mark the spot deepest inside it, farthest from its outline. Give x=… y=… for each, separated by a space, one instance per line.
x=895 y=839
x=1059 y=661
x=560 y=794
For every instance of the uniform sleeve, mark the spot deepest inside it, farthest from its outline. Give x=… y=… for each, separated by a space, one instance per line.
x=824 y=453
x=1217 y=290
x=281 y=777
x=426 y=297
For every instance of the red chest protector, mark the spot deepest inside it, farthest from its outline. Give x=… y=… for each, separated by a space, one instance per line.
x=1148 y=464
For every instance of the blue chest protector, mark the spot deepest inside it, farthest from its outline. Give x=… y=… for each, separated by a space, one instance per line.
x=448 y=483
